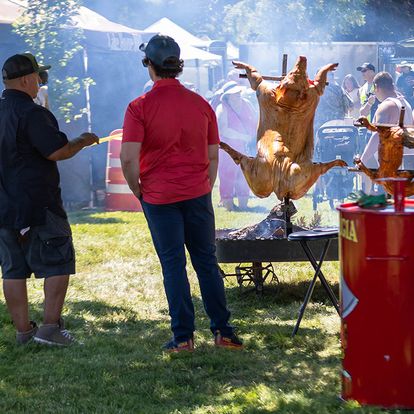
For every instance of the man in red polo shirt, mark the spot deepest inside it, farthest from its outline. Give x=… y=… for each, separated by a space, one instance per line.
x=169 y=158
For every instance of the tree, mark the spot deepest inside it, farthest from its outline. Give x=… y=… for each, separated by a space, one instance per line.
x=47 y=28
x=294 y=20
x=272 y=20
x=201 y=17
x=385 y=20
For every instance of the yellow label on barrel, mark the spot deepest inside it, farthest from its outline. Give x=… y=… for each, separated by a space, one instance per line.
x=348 y=231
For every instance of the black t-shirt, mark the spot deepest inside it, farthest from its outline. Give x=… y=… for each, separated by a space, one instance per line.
x=29 y=182
x=405 y=83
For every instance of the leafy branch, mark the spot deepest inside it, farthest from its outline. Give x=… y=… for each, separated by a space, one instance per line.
x=47 y=28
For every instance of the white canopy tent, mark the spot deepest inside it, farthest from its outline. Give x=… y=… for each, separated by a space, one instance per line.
x=168 y=27
x=189 y=44
x=181 y=35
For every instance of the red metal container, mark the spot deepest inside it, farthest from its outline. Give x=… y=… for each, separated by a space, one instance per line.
x=377 y=304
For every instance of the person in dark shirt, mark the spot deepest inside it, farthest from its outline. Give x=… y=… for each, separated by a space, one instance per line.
x=405 y=82
x=35 y=235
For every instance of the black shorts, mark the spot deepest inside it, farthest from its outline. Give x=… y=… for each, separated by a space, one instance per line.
x=45 y=250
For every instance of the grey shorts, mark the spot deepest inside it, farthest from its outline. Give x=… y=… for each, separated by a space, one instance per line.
x=45 y=250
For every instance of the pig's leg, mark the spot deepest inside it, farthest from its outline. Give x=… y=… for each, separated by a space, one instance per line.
x=361 y=166
x=326 y=166
x=257 y=171
x=405 y=174
x=408 y=138
x=303 y=176
x=254 y=77
x=320 y=78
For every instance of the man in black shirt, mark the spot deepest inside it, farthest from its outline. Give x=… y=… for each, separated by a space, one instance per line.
x=35 y=235
x=405 y=82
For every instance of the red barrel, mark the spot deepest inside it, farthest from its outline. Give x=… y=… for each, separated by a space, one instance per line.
x=377 y=304
x=118 y=196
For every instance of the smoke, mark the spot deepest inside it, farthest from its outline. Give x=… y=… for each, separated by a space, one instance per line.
x=264 y=30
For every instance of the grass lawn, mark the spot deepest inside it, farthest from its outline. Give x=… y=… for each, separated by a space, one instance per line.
x=116 y=305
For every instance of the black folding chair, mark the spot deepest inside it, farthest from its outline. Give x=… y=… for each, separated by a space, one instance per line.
x=304 y=237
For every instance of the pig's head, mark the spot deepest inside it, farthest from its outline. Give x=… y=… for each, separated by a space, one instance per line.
x=292 y=91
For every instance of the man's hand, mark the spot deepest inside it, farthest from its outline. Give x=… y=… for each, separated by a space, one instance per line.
x=371 y=99
x=74 y=146
x=137 y=192
x=89 y=138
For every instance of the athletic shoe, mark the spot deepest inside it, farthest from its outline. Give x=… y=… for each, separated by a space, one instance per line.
x=229 y=341
x=54 y=334
x=174 y=346
x=22 y=338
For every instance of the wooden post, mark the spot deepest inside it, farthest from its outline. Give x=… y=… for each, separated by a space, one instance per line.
x=401 y=121
x=284 y=65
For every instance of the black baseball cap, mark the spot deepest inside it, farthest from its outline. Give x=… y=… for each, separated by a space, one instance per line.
x=20 y=65
x=161 y=48
x=366 y=66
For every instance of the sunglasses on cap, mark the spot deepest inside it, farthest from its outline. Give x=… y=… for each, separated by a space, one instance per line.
x=364 y=70
x=145 y=62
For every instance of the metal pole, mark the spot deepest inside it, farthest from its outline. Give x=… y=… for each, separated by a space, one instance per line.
x=197 y=62
x=89 y=127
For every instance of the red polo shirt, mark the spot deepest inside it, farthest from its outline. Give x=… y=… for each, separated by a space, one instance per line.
x=175 y=126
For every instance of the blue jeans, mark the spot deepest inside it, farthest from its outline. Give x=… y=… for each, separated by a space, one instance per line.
x=188 y=223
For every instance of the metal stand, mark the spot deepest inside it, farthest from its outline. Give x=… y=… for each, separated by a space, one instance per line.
x=257 y=274
x=318 y=274
x=287 y=216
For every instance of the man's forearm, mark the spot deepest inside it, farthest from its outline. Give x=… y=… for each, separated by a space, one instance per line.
x=73 y=147
x=365 y=109
x=131 y=174
x=212 y=171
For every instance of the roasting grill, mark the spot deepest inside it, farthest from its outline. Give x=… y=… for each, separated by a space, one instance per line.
x=255 y=256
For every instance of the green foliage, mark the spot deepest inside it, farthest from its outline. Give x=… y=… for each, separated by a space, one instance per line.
x=47 y=29
x=271 y=20
x=295 y=20
x=386 y=20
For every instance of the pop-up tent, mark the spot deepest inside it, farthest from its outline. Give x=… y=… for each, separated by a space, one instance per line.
x=99 y=32
x=110 y=57
x=168 y=27
x=199 y=65
x=189 y=44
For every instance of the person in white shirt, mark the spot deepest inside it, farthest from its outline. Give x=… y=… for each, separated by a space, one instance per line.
x=388 y=112
x=42 y=97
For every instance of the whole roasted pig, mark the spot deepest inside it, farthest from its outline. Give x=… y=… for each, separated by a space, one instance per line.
x=283 y=163
x=392 y=139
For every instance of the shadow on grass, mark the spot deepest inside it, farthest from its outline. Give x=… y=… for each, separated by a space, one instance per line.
x=282 y=293
x=89 y=217
x=121 y=367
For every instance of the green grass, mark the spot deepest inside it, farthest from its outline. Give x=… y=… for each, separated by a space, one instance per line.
x=116 y=305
